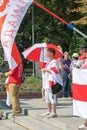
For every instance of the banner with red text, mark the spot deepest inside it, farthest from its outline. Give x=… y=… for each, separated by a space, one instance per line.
x=11 y=15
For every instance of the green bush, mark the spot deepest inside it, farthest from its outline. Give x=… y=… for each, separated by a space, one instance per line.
x=32 y=83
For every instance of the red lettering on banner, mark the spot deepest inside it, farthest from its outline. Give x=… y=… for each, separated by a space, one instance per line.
x=9 y=33
x=22 y=1
x=13 y=23
x=16 y=15
x=6 y=44
x=21 y=8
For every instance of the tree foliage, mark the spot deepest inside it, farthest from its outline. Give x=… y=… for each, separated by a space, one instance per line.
x=82 y=9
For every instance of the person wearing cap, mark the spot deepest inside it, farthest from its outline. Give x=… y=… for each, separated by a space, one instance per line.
x=82 y=60
x=73 y=64
x=75 y=57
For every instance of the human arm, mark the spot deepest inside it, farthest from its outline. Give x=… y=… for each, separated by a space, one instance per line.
x=46 y=70
x=9 y=73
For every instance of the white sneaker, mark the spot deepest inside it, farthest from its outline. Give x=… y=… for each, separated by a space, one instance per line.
x=52 y=115
x=46 y=114
x=82 y=127
x=43 y=98
x=13 y=115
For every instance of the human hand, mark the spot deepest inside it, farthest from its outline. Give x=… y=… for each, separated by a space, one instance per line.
x=44 y=70
x=9 y=73
x=6 y=74
x=66 y=66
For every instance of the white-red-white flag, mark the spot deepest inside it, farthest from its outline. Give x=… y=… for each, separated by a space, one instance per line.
x=80 y=92
x=82 y=60
x=11 y=15
x=16 y=57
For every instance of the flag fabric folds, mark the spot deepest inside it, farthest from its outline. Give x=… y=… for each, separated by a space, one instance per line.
x=16 y=56
x=16 y=60
x=80 y=92
x=11 y=15
x=82 y=60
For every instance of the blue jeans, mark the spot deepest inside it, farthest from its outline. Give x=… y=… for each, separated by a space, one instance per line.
x=66 y=89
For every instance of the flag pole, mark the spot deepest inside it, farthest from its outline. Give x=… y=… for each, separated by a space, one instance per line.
x=71 y=26
x=34 y=71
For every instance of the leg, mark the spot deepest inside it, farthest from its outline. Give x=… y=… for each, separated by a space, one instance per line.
x=14 y=98
x=43 y=94
x=53 y=102
x=83 y=127
x=43 y=84
x=64 y=76
x=86 y=123
x=49 y=107
x=17 y=98
x=54 y=108
x=69 y=88
x=48 y=100
x=48 y=103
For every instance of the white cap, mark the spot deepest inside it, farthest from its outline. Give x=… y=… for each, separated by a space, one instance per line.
x=75 y=55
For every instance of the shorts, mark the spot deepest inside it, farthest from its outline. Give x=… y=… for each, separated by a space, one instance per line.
x=49 y=97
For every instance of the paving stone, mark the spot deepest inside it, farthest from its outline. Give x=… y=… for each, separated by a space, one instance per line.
x=32 y=124
x=9 y=125
x=34 y=108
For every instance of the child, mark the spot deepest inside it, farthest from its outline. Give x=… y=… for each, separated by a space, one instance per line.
x=52 y=76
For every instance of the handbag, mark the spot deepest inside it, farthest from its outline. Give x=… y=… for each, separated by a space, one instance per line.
x=56 y=88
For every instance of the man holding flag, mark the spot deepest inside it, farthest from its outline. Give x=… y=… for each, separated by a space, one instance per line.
x=14 y=82
x=11 y=15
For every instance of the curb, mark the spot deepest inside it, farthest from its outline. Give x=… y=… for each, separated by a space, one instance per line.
x=22 y=95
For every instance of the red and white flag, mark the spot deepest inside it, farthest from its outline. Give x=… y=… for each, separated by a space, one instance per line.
x=82 y=60
x=16 y=61
x=80 y=92
x=11 y=15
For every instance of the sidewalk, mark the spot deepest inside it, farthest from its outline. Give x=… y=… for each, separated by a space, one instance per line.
x=8 y=125
x=34 y=108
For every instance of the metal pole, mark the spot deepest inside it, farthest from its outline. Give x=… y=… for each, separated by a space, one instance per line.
x=34 y=71
x=60 y=19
